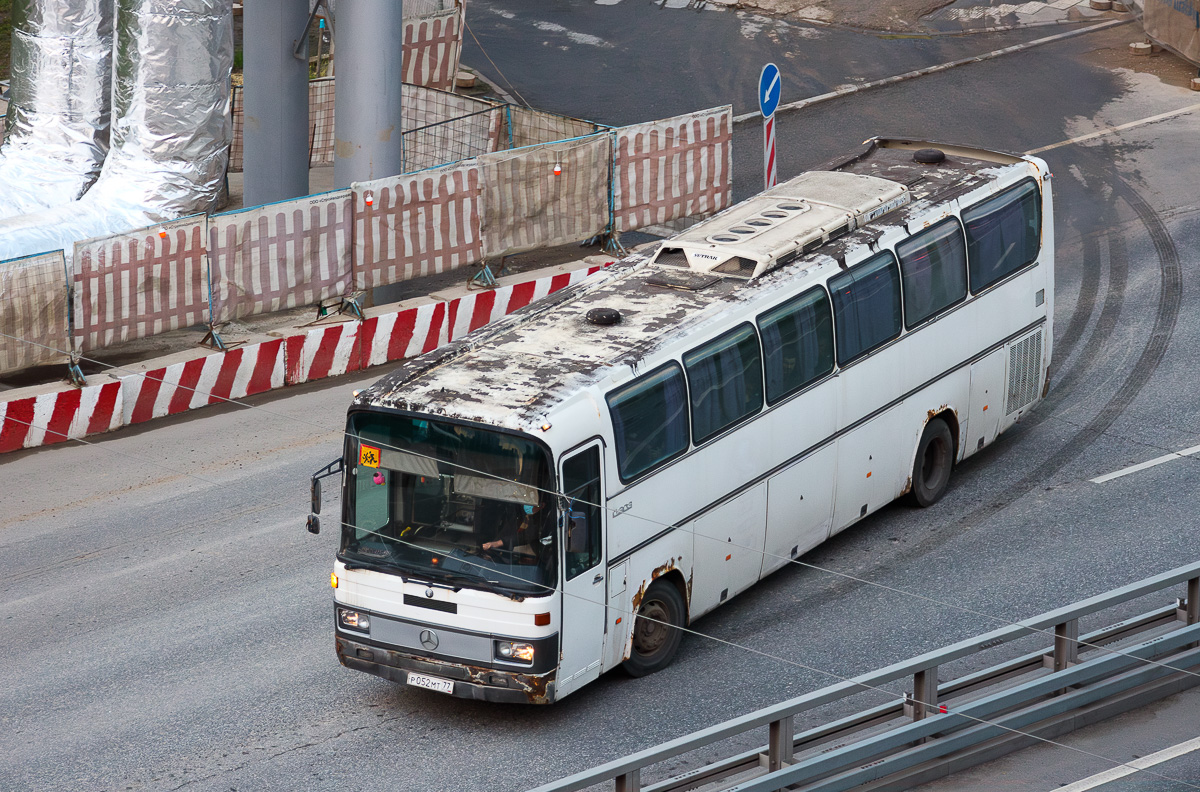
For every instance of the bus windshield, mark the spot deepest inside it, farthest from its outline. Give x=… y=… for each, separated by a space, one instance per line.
x=448 y=503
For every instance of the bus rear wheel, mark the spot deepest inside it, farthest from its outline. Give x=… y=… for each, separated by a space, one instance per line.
x=656 y=629
x=935 y=459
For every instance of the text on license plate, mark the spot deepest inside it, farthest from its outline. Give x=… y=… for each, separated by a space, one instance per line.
x=431 y=683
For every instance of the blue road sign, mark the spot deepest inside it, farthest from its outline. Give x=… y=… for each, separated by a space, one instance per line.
x=769 y=90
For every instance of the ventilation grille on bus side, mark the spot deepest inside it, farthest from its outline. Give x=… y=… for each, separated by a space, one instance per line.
x=1024 y=371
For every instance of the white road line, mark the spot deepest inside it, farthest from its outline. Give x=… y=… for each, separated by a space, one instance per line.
x=1132 y=767
x=1187 y=452
x=1114 y=130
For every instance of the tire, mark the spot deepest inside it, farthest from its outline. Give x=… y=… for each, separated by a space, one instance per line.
x=932 y=466
x=656 y=632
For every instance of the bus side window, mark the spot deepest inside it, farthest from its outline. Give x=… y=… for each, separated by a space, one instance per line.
x=724 y=381
x=650 y=421
x=933 y=266
x=1003 y=234
x=866 y=306
x=797 y=340
x=581 y=485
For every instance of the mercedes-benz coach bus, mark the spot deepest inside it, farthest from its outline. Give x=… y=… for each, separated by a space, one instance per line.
x=552 y=496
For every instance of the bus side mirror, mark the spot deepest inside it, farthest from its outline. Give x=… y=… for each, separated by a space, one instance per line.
x=332 y=469
x=314 y=524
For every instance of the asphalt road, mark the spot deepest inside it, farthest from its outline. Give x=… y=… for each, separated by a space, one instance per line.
x=167 y=620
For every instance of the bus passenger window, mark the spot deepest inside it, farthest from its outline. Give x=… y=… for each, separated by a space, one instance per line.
x=724 y=381
x=933 y=266
x=866 y=306
x=797 y=339
x=1003 y=234
x=581 y=486
x=650 y=421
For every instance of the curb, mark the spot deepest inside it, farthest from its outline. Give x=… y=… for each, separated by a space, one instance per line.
x=74 y=413
x=846 y=90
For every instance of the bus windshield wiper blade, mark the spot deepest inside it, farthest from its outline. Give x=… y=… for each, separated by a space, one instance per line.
x=387 y=569
x=480 y=582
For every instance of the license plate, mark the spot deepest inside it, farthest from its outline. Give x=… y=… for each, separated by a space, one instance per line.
x=431 y=683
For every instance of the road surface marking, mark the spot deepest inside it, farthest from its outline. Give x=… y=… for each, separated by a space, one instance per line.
x=1187 y=452
x=1132 y=767
x=1114 y=130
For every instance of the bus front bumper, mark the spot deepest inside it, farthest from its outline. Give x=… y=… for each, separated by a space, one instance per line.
x=471 y=682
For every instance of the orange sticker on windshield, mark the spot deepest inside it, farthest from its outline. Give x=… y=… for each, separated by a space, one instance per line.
x=368 y=456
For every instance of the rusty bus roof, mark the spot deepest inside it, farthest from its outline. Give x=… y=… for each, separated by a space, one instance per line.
x=514 y=372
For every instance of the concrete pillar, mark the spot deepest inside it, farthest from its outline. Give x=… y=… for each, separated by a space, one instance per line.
x=275 y=109
x=367 y=143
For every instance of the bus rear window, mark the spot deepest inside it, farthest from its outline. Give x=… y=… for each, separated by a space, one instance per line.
x=797 y=340
x=866 y=306
x=650 y=421
x=933 y=265
x=1003 y=234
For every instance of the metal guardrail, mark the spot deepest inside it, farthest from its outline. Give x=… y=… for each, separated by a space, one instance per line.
x=964 y=721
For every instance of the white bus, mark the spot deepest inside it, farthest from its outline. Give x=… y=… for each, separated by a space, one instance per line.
x=550 y=497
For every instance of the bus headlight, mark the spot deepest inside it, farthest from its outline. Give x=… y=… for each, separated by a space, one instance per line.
x=514 y=652
x=354 y=620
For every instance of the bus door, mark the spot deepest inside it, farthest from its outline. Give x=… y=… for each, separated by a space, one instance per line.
x=581 y=631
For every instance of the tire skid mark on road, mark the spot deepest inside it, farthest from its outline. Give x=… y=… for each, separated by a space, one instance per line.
x=1085 y=305
x=1107 y=324
x=1169 y=301
x=1166 y=314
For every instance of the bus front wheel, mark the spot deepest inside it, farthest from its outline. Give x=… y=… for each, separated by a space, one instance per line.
x=935 y=459
x=656 y=630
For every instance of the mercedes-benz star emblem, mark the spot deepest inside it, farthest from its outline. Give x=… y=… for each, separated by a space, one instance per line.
x=429 y=639
x=429 y=593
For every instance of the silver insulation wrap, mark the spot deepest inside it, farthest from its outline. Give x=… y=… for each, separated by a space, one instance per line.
x=57 y=128
x=171 y=128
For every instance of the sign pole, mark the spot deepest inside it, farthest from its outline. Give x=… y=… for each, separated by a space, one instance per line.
x=769 y=90
x=769 y=175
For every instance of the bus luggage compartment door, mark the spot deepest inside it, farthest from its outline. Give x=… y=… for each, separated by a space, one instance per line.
x=799 y=508
x=727 y=547
x=987 y=402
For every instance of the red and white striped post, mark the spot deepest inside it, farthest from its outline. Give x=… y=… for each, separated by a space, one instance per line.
x=768 y=100
x=769 y=152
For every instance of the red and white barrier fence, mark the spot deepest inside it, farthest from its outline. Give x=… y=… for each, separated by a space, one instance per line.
x=421 y=224
x=317 y=248
x=140 y=284
x=432 y=48
x=472 y=311
x=677 y=167
x=33 y=312
x=546 y=195
x=272 y=258
x=326 y=351
x=233 y=374
x=57 y=417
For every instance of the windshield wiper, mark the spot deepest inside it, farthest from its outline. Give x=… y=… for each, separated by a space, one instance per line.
x=387 y=569
x=480 y=583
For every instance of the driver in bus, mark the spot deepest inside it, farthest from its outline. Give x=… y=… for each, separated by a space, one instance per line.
x=517 y=534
